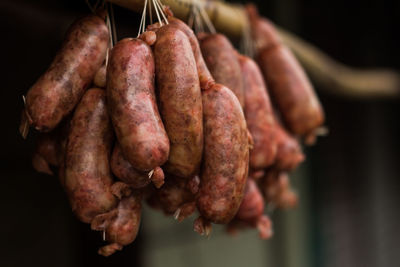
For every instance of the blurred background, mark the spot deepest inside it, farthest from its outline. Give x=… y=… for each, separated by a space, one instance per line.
x=349 y=186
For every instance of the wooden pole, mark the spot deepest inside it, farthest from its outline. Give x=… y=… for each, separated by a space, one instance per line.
x=226 y=18
x=327 y=73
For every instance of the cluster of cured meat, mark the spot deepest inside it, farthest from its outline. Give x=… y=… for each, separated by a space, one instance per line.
x=179 y=121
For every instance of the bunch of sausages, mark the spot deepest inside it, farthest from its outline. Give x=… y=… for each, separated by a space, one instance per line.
x=183 y=122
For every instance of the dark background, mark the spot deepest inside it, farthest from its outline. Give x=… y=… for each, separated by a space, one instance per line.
x=352 y=179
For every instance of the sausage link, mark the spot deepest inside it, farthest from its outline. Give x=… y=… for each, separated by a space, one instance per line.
x=100 y=77
x=222 y=62
x=226 y=156
x=120 y=225
x=291 y=90
x=50 y=148
x=288 y=84
x=60 y=88
x=180 y=100
x=175 y=198
x=276 y=189
x=252 y=206
x=132 y=105
x=259 y=115
x=250 y=213
x=206 y=80
x=87 y=172
x=128 y=174
x=47 y=153
x=125 y=171
x=289 y=154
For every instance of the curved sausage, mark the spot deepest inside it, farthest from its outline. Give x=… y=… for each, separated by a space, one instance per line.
x=291 y=90
x=50 y=148
x=120 y=225
x=132 y=105
x=206 y=80
x=275 y=187
x=129 y=175
x=289 y=154
x=251 y=211
x=263 y=33
x=180 y=100
x=99 y=79
x=226 y=156
x=175 y=198
x=60 y=88
x=288 y=84
x=47 y=153
x=87 y=170
x=252 y=206
x=222 y=62
x=259 y=115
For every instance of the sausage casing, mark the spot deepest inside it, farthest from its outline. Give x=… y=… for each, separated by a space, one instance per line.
x=132 y=105
x=206 y=80
x=252 y=206
x=275 y=186
x=259 y=115
x=287 y=82
x=250 y=213
x=125 y=171
x=291 y=90
x=222 y=62
x=87 y=177
x=180 y=100
x=60 y=88
x=226 y=156
x=121 y=224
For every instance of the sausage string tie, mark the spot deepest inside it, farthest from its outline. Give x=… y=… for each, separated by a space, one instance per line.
x=24 y=130
x=111 y=29
x=111 y=25
x=246 y=43
x=198 y=18
x=151 y=173
x=92 y=7
x=143 y=19
x=158 y=8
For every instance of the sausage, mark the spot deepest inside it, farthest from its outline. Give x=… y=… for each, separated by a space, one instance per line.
x=205 y=78
x=221 y=60
x=176 y=198
x=259 y=115
x=288 y=84
x=87 y=172
x=252 y=206
x=132 y=105
x=60 y=88
x=250 y=213
x=120 y=225
x=46 y=153
x=50 y=148
x=226 y=156
x=180 y=100
x=256 y=175
x=291 y=90
x=289 y=154
x=275 y=187
x=99 y=79
x=128 y=174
